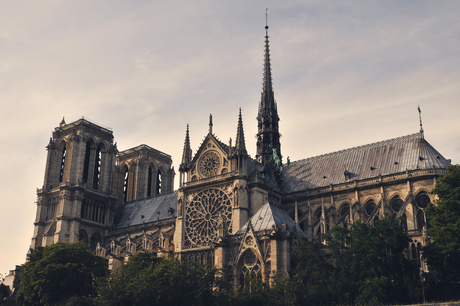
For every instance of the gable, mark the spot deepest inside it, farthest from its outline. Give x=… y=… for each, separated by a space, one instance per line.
x=210 y=160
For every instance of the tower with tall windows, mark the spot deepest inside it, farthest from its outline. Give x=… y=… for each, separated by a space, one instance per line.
x=77 y=200
x=143 y=172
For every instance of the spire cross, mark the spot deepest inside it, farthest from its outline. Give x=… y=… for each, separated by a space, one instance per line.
x=266 y=18
x=420 y=118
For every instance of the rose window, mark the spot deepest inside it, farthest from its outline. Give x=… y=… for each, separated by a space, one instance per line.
x=209 y=164
x=203 y=216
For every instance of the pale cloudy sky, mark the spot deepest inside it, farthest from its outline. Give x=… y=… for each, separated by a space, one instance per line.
x=345 y=73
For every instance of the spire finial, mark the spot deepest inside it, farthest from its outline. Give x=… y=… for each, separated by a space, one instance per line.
x=266 y=18
x=420 y=118
x=210 y=124
x=187 y=153
x=240 y=144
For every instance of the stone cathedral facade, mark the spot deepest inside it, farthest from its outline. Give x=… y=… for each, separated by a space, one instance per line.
x=241 y=214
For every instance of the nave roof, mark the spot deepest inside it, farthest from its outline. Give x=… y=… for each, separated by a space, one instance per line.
x=387 y=157
x=161 y=207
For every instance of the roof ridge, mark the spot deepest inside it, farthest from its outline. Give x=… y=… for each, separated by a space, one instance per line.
x=358 y=147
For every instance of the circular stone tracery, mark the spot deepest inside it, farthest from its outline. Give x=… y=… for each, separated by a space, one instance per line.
x=209 y=164
x=202 y=217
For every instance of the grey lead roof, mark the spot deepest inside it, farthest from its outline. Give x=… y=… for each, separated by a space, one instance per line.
x=148 y=210
x=386 y=157
x=269 y=215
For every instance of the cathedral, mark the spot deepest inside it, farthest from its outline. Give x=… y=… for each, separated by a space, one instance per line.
x=241 y=214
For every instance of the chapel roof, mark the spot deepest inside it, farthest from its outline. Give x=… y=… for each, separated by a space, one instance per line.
x=387 y=157
x=268 y=216
x=148 y=210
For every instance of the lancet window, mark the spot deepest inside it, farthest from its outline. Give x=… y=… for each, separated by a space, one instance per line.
x=159 y=182
x=97 y=168
x=422 y=202
x=149 y=182
x=61 y=173
x=86 y=163
x=125 y=184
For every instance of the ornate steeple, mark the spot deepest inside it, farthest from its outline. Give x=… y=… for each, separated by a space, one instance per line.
x=268 y=136
x=187 y=154
x=240 y=145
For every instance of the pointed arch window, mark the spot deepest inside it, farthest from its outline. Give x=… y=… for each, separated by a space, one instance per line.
x=86 y=164
x=64 y=153
x=396 y=205
x=149 y=182
x=345 y=210
x=159 y=182
x=422 y=202
x=97 y=168
x=251 y=269
x=413 y=251
x=370 y=208
x=404 y=222
x=125 y=184
x=420 y=219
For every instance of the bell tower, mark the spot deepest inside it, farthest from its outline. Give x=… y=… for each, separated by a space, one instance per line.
x=77 y=201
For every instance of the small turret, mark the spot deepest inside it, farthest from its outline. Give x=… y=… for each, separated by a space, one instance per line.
x=186 y=157
x=240 y=145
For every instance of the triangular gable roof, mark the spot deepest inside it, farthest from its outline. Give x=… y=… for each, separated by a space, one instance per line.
x=210 y=136
x=269 y=215
x=148 y=210
x=386 y=157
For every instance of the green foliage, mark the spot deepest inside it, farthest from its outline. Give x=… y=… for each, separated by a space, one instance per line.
x=4 y=292
x=52 y=275
x=443 y=253
x=146 y=280
x=363 y=265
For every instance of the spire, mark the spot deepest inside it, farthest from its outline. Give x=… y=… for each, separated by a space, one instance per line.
x=268 y=136
x=240 y=144
x=420 y=118
x=187 y=154
x=210 y=124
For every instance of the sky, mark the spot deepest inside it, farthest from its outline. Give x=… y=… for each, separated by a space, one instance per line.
x=345 y=74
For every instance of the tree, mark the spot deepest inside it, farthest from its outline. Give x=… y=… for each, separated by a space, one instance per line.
x=54 y=274
x=146 y=280
x=363 y=264
x=4 y=292
x=443 y=253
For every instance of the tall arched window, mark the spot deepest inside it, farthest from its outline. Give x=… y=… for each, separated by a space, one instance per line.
x=420 y=219
x=404 y=221
x=86 y=164
x=422 y=202
x=149 y=182
x=97 y=168
x=125 y=184
x=251 y=269
x=159 y=179
x=61 y=173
